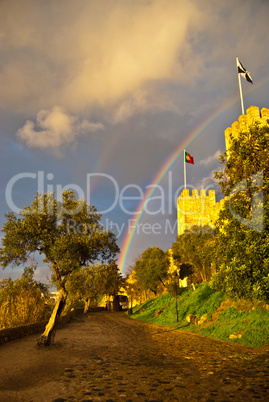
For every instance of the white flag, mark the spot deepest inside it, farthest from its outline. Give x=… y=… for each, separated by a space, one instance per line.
x=241 y=70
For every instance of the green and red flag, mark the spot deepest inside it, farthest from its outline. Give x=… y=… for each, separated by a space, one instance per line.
x=189 y=158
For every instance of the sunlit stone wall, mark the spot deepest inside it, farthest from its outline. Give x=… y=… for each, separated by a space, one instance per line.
x=253 y=115
x=196 y=209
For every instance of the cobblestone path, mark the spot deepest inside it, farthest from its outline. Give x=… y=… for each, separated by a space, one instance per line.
x=110 y=357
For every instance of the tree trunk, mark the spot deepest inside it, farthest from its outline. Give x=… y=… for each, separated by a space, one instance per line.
x=203 y=274
x=48 y=335
x=116 y=303
x=86 y=305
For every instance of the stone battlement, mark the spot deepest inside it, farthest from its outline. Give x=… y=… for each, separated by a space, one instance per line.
x=197 y=209
x=200 y=209
x=253 y=115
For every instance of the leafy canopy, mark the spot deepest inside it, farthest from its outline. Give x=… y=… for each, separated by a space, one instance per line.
x=152 y=268
x=67 y=233
x=195 y=248
x=242 y=230
x=89 y=284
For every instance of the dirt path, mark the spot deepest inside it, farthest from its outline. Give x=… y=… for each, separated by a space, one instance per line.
x=109 y=357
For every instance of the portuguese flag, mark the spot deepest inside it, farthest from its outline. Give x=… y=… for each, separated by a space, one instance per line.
x=189 y=158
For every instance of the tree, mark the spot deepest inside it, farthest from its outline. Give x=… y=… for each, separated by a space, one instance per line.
x=242 y=230
x=89 y=284
x=82 y=286
x=195 y=248
x=111 y=279
x=133 y=290
x=67 y=233
x=152 y=269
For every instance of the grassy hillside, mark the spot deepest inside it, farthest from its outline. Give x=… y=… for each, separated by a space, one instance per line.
x=247 y=322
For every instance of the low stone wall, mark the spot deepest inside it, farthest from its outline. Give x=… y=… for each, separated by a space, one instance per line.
x=9 y=334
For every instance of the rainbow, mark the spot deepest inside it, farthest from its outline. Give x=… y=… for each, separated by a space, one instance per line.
x=127 y=241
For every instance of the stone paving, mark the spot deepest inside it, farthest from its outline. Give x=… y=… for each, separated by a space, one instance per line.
x=110 y=357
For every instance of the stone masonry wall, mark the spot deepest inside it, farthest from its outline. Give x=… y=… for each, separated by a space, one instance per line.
x=253 y=115
x=10 y=334
x=196 y=209
x=201 y=209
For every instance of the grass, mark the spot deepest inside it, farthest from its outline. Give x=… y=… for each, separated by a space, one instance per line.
x=240 y=318
x=253 y=325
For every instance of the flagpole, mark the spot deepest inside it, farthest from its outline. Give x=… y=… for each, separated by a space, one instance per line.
x=184 y=161
x=240 y=87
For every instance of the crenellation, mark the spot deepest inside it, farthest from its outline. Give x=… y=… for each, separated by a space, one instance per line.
x=196 y=209
x=201 y=209
x=252 y=116
x=265 y=114
x=212 y=196
x=235 y=126
x=243 y=122
x=185 y=192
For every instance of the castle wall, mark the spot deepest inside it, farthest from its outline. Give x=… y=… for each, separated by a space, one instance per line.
x=253 y=115
x=201 y=209
x=196 y=209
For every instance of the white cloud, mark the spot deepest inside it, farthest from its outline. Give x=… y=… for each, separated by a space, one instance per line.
x=54 y=128
x=208 y=182
x=210 y=159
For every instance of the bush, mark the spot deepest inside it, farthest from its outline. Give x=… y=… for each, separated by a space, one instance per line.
x=23 y=301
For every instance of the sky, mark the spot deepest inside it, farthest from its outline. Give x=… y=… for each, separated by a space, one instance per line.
x=102 y=96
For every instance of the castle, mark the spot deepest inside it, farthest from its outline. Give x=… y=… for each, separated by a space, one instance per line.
x=196 y=209
x=201 y=209
x=254 y=115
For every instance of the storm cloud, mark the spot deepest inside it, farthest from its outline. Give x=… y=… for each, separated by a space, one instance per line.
x=113 y=87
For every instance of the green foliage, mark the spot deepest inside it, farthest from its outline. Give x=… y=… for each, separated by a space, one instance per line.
x=152 y=269
x=195 y=248
x=111 y=279
x=242 y=249
x=132 y=289
x=23 y=301
x=67 y=233
x=89 y=284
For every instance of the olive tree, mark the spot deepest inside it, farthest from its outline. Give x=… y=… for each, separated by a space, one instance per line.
x=67 y=233
x=89 y=284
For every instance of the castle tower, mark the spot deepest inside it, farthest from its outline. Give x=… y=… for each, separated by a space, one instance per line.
x=253 y=115
x=201 y=209
x=196 y=209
